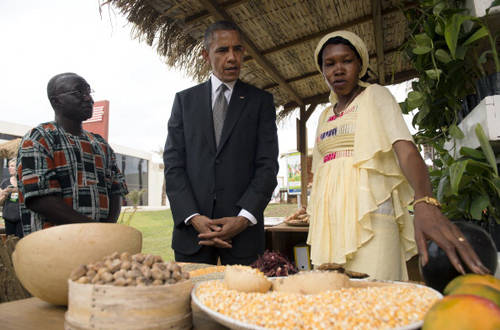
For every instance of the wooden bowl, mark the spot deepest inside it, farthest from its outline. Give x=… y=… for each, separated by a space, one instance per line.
x=44 y=260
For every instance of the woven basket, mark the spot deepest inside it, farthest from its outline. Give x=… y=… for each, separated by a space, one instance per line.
x=113 y=307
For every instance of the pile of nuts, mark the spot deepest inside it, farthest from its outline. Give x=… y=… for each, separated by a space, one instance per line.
x=130 y=270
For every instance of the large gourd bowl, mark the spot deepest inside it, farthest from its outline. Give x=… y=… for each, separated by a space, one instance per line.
x=44 y=260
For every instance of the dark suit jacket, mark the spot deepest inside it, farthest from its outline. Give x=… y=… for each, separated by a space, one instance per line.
x=239 y=174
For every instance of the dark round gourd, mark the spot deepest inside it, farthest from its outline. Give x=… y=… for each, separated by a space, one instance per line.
x=439 y=271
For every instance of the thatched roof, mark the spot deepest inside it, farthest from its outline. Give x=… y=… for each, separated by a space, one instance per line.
x=9 y=149
x=279 y=35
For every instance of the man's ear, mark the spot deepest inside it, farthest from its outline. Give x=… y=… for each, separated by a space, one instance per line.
x=204 y=53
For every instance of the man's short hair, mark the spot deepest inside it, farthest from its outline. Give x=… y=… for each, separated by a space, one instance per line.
x=217 y=26
x=52 y=84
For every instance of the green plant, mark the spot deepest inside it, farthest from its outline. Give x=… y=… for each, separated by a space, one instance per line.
x=134 y=197
x=438 y=47
x=469 y=188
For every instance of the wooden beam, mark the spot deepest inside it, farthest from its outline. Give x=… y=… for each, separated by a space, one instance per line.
x=343 y=26
x=324 y=97
x=310 y=110
x=318 y=99
x=315 y=73
x=196 y=18
x=304 y=76
x=303 y=156
x=219 y=13
x=379 y=39
x=169 y=10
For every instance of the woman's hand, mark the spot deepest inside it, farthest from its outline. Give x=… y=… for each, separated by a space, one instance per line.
x=430 y=223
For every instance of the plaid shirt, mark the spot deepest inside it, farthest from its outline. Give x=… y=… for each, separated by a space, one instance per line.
x=80 y=169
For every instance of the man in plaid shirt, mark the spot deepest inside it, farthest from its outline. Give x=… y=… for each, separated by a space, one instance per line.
x=67 y=174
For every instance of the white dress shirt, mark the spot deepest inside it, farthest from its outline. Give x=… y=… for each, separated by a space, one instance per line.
x=229 y=91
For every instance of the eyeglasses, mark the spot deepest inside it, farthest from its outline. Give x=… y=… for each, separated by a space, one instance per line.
x=79 y=93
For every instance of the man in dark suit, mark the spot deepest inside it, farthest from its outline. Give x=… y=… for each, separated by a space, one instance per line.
x=221 y=159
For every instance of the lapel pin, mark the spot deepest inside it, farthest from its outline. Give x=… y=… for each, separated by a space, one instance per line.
x=242 y=97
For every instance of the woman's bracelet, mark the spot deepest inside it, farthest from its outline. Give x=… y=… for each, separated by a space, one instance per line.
x=428 y=200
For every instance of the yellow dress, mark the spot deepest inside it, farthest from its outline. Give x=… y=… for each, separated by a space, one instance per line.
x=359 y=197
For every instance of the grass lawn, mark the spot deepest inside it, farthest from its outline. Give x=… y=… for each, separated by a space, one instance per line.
x=156 y=228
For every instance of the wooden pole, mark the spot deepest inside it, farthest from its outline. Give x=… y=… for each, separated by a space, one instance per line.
x=303 y=156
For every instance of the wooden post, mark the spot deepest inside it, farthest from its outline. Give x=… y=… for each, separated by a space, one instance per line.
x=303 y=156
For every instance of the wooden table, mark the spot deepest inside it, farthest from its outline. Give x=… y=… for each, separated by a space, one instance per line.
x=283 y=238
x=31 y=313
x=35 y=314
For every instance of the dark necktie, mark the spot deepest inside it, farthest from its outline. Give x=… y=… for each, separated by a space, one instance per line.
x=219 y=112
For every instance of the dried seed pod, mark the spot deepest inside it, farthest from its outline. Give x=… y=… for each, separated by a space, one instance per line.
x=125 y=256
x=96 y=279
x=134 y=273
x=146 y=271
x=120 y=282
x=107 y=277
x=78 y=272
x=176 y=275
x=119 y=274
x=161 y=266
x=126 y=265
x=103 y=270
x=157 y=282
x=108 y=263
x=91 y=273
x=136 y=265
x=115 y=265
x=149 y=260
x=114 y=255
x=171 y=266
x=157 y=274
x=139 y=257
x=158 y=259
x=130 y=282
x=140 y=281
x=99 y=265
x=83 y=280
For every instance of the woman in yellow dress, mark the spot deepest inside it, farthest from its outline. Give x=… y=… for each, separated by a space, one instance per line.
x=367 y=170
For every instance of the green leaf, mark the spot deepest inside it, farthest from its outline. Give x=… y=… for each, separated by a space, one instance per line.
x=443 y=189
x=456 y=132
x=420 y=50
x=452 y=31
x=478 y=205
x=443 y=56
x=433 y=73
x=473 y=153
x=486 y=147
x=439 y=29
x=423 y=40
x=422 y=113
x=457 y=170
x=460 y=53
x=480 y=33
x=415 y=99
x=438 y=8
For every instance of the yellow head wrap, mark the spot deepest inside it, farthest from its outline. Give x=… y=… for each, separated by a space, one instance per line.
x=358 y=44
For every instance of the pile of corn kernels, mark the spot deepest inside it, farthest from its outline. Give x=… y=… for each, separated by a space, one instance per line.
x=381 y=307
